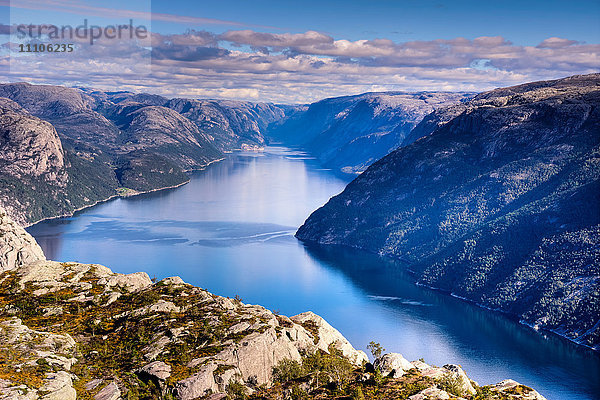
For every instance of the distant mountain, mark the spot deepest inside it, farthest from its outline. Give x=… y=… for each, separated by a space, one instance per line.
x=231 y=123
x=349 y=133
x=496 y=200
x=67 y=148
x=165 y=132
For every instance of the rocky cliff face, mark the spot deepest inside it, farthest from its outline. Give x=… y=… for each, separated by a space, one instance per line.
x=38 y=177
x=17 y=247
x=70 y=330
x=349 y=133
x=493 y=203
x=29 y=146
x=230 y=123
x=66 y=148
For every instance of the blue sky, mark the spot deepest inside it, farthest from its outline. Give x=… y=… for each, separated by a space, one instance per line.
x=524 y=22
x=300 y=51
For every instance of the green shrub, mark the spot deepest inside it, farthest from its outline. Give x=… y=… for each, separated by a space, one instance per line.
x=286 y=370
x=452 y=384
x=236 y=391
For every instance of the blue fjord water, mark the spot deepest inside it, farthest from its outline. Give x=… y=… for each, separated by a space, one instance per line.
x=230 y=230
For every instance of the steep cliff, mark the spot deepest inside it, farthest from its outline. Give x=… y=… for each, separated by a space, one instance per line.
x=496 y=202
x=38 y=177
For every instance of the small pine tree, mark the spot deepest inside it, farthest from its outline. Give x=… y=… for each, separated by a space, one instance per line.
x=376 y=349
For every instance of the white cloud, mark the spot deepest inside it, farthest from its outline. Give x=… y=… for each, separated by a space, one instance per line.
x=306 y=66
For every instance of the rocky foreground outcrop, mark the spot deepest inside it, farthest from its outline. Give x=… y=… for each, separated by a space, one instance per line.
x=17 y=247
x=71 y=330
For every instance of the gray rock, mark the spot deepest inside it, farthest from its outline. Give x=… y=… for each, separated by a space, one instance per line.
x=158 y=369
x=109 y=392
x=528 y=393
x=392 y=364
x=197 y=385
x=217 y=396
x=17 y=247
x=129 y=282
x=239 y=327
x=59 y=386
x=431 y=393
x=460 y=375
x=9 y=391
x=329 y=335
x=257 y=354
x=172 y=280
x=93 y=384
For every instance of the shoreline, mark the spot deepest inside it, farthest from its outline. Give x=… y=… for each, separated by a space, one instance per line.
x=115 y=196
x=514 y=317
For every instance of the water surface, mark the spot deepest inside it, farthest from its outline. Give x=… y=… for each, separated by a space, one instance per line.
x=230 y=230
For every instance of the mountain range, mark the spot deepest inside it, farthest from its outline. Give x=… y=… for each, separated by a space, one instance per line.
x=349 y=133
x=495 y=200
x=491 y=197
x=67 y=148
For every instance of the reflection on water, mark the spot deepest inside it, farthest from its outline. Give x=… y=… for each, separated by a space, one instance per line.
x=230 y=230
x=488 y=344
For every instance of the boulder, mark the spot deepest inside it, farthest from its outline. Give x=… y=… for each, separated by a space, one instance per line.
x=458 y=373
x=392 y=365
x=161 y=306
x=256 y=355
x=329 y=335
x=130 y=282
x=156 y=371
x=109 y=392
x=59 y=386
x=17 y=247
x=172 y=280
x=200 y=384
x=515 y=388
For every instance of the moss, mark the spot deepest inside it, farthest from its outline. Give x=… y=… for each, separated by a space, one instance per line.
x=236 y=391
x=312 y=327
x=519 y=390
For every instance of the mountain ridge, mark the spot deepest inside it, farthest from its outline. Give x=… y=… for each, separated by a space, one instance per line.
x=479 y=205
x=348 y=133
x=112 y=144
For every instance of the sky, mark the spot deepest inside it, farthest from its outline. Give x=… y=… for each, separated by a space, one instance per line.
x=303 y=51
